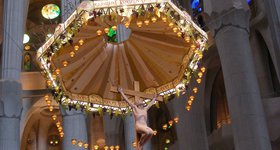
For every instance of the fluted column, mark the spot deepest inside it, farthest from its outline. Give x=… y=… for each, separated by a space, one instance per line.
x=129 y=131
x=10 y=86
x=68 y=7
x=74 y=127
x=230 y=25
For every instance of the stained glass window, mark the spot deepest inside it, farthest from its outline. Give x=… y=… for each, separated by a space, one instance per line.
x=112 y=35
x=50 y=11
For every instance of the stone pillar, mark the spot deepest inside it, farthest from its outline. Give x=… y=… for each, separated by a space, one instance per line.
x=191 y=128
x=68 y=7
x=230 y=25
x=129 y=131
x=273 y=17
x=10 y=86
x=74 y=127
x=113 y=130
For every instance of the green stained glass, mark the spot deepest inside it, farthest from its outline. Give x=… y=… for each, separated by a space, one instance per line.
x=112 y=35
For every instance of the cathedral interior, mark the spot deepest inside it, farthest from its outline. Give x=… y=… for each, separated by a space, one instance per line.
x=216 y=67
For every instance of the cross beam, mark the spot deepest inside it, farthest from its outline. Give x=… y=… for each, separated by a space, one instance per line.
x=136 y=93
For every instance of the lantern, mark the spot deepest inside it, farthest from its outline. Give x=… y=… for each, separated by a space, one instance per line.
x=203 y=69
x=106 y=30
x=179 y=34
x=126 y=24
x=175 y=29
x=76 y=47
x=187 y=39
x=61 y=134
x=57 y=71
x=80 y=144
x=81 y=42
x=64 y=63
x=171 y=24
x=200 y=74
x=51 y=108
x=86 y=145
x=54 y=117
x=146 y=22
x=170 y=122
x=176 y=119
x=195 y=90
x=188 y=108
x=164 y=19
x=193 y=46
x=98 y=32
x=72 y=54
x=139 y=24
x=191 y=97
x=48 y=102
x=74 y=141
x=114 y=28
x=154 y=19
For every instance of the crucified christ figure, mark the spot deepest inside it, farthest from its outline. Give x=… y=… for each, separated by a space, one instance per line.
x=144 y=132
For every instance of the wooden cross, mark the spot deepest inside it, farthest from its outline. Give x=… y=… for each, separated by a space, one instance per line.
x=136 y=93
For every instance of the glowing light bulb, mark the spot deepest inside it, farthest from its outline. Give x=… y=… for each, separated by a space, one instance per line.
x=51 y=108
x=80 y=144
x=187 y=39
x=106 y=30
x=171 y=24
x=195 y=90
x=98 y=32
x=81 y=42
x=74 y=141
x=164 y=19
x=76 y=47
x=72 y=54
x=146 y=22
x=179 y=34
x=57 y=71
x=203 y=69
x=198 y=80
x=114 y=28
x=139 y=24
x=54 y=117
x=127 y=24
x=176 y=119
x=175 y=29
x=65 y=63
x=154 y=19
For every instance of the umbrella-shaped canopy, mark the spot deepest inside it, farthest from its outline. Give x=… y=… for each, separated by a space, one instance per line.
x=153 y=45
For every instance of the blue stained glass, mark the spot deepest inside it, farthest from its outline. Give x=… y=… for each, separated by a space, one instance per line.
x=195 y=3
x=249 y=2
x=199 y=9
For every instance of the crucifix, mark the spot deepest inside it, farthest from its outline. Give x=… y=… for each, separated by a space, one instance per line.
x=143 y=132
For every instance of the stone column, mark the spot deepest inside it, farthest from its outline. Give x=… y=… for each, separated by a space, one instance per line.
x=273 y=17
x=113 y=128
x=191 y=128
x=129 y=131
x=68 y=7
x=230 y=25
x=10 y=86
x=74 y=127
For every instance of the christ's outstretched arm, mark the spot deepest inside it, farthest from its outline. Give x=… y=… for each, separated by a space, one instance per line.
x=151 y=103
x=125 y=98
